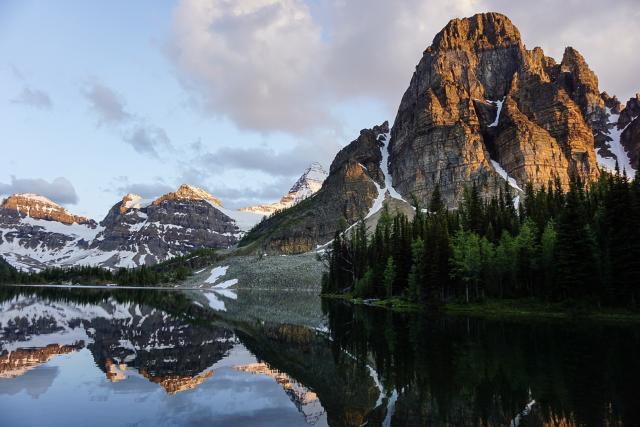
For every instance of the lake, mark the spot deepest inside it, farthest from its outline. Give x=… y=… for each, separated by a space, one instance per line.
x=78 y=357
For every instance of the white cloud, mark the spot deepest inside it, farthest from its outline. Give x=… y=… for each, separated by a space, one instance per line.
x=282 y=65
x=258 y=62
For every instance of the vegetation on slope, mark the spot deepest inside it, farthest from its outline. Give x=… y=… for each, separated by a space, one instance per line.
x=174 y=270
x=580 y=245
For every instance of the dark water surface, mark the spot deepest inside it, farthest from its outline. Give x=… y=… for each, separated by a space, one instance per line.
x=261 y=358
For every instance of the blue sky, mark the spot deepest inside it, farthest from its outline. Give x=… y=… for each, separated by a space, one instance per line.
x=102 y=98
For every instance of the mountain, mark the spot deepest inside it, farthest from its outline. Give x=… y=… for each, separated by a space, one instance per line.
x=356 y=187
x=125 y=339
x=479 y=102
x=36 y=233
x=480 y=109
x=307 y=185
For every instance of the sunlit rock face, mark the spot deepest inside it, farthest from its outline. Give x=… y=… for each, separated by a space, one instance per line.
x=19 y=362
x=305 y=400
x=39 y=207
x=173 y=384
x=479 y=95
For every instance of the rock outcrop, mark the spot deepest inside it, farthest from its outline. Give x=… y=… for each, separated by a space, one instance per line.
x=346 y=195
x=188 y=193
x=39 y=207
x=306 y=186
x=479 y=100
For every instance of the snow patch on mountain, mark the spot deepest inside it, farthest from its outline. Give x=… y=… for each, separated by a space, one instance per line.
x=620 y=155
x=503 y=173
x=378 y=203
x=498 y=104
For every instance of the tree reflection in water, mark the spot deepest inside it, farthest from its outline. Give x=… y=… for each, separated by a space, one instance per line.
x=462 y=371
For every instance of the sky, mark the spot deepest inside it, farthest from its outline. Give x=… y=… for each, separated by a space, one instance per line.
x=104 y=98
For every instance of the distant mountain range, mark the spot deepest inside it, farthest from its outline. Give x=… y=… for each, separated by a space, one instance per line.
x=481 y=109
x=36 y=233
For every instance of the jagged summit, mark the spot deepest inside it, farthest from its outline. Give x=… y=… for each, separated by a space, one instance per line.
x=130 y=201
x=189 y=192
x=480 y=106
x=307 y=185
x=310 y=181
x=40 y=207
x=482 y=31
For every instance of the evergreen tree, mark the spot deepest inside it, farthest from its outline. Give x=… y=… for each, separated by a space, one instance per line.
x=389 y=277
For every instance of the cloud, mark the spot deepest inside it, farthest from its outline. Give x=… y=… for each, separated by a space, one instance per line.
x=59 y=190
x=282 y=66
x=106 y=103
x=34 y=98
x=263 y=159
x=242 y=196
x=289 y=162
x=257 y=62
x=149 y=190
x=148 y=140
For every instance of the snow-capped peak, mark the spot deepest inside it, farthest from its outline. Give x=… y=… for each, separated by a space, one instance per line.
x=310 y=181
x=130 y=201
x=307 y=185
x=40 y=207
x=189 y=192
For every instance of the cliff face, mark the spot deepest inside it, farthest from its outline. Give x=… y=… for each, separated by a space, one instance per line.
x=38 y=207
x=346 y=195
x=479 y=100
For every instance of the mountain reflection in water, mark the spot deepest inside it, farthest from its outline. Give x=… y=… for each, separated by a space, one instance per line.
x=165 y=358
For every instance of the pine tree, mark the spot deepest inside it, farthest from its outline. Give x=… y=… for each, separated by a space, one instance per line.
x=417 y=274
x=389 y=277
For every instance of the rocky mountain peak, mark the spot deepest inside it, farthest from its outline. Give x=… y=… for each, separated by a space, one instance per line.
x=189 y=192
x=311 y=180
x=481 y=107
x=479 y=32
x=307 y=185
x=40 y=207
x=612 y=102
x=130 y=201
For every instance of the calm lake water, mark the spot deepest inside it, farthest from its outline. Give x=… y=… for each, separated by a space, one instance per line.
x=259 y=358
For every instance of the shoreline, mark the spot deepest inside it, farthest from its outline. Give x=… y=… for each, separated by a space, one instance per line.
x=499 y=309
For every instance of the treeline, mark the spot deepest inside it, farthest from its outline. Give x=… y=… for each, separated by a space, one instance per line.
x=170 y=271
x=582 y=244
